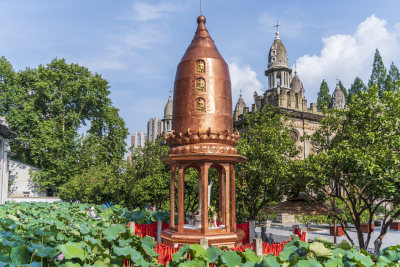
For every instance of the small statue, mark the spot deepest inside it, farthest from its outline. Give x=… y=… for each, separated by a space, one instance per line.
x=200 y=66
x=201 y=85
x=215 y=217
x=200 y=105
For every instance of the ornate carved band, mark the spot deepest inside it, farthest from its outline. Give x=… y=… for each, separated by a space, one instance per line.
x=203 y=148
x=197 y=137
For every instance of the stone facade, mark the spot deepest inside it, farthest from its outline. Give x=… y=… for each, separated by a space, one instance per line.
x=286 y=92
x=166 y=122
x=338 y=98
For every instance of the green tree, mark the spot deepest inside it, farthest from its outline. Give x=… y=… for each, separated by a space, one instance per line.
x=95 y=185
x=7 y=74
x=392 y=78
x=48 y=107
x=266 y=142
x=378 y=75
x=358 y=161
x=356 y=88
x=146 y=179
x=324 y=98
x=344 y=90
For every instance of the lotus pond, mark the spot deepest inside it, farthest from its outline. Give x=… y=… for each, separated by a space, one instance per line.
x=63 y=234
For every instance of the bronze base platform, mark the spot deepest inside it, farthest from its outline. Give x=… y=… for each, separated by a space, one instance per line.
x=230 y=240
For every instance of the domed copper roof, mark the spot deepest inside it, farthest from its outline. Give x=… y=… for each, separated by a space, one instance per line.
x=202 y=105
x=277 y=54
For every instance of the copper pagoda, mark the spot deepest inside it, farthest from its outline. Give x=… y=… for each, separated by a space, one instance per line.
x=202 y=137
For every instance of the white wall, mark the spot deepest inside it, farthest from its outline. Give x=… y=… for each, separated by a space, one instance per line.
x=20 y=174
x=34 y=199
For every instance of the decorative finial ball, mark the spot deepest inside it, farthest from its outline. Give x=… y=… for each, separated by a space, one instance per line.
x=201 y=19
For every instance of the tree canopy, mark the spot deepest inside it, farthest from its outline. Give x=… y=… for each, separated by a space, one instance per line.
x=378 y=75
x=392 y=78
x=324 y=98
x=63 y=117
x=269 y=148
x=358 y=160
x=356 y=88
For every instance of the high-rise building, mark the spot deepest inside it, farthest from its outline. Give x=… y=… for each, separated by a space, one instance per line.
x=138 y=139
x=154 y=129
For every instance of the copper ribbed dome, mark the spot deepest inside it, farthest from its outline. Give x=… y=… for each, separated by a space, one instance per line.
x=202 y=105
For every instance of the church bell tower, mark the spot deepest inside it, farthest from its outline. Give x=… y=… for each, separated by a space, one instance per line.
x=278 y=72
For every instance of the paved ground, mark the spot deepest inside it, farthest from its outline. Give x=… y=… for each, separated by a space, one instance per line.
x=281 y=232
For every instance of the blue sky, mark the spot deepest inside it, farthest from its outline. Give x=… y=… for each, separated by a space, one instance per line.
x=136 y=45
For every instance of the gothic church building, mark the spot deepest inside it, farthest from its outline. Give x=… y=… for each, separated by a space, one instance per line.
x=286 y=92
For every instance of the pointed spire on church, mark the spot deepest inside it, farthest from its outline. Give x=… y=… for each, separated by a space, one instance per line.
x=168 y=109
x=338 y=97
x=277 y=30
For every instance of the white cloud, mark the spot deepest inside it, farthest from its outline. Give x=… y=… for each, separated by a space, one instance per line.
x=141 y=33
x=245 y=79
x=347 y=56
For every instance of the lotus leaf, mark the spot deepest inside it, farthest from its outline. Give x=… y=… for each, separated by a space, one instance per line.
x=72 y=250
x=231 y=258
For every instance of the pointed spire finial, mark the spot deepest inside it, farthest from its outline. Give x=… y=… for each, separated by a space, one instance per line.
x=277 y=26
x=201 y=7
x=277 y=30
x=169 y=91
x=240 y=91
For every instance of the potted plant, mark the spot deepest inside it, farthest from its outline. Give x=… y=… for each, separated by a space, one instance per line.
x=219 y=219
x=365 y=227
x=339 y=230
x=395 y=226
x=364 y=223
